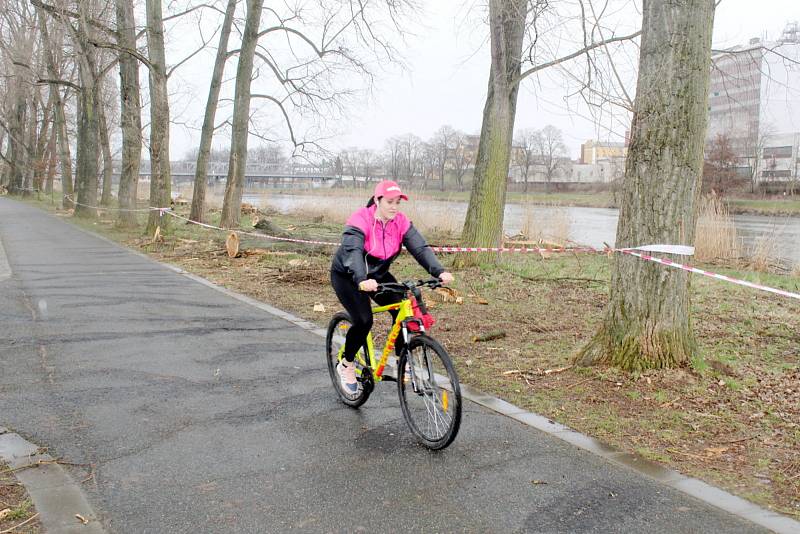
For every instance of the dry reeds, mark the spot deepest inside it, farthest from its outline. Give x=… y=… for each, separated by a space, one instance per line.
x=763 y=255
x=715 y=233
x=546 y=225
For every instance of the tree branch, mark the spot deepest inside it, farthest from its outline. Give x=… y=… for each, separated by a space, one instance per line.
x=46 y=81
x=71 y=14
x=190 y=56
x=575 y=54
x=113 y=46
x=283 y=110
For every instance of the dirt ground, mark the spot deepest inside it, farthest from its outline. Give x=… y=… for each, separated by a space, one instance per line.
x=17 y=513
x=730 y=417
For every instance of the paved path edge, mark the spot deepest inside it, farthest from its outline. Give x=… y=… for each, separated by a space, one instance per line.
x=57 y=498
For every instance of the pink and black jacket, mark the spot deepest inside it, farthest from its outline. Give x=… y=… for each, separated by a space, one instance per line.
x=369 y=246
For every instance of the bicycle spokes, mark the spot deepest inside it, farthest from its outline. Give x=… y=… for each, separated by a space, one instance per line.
x=429 y=393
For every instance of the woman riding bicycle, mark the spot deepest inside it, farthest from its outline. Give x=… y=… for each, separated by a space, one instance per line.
x=372 y=239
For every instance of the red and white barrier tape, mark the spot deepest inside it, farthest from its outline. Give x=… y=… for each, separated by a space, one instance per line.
x=72 y=199
x=515 y=249
x=254 y=234
x=745 y=283
x=666 y=249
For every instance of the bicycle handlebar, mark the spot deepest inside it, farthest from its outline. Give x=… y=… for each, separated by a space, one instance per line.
x=408 y=285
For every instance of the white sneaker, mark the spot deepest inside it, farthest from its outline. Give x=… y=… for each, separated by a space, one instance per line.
x=347 y=376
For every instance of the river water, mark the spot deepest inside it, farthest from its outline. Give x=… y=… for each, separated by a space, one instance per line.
x=585 y=226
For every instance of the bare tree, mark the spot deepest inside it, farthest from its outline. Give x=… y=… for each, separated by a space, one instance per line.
x=349 y=159
x=647 y=322
x=461 y=158
x=160 y=174
x=231 y=208
x=510 y=22
x=201 y=171
x=52 y=49
x=105 y=141
x=527 y=141
x=328 y=49
x=550 y=152
x=720 y=164
x=368 y=160
x=18 y=46
x=130 y=113
x=442 y=146
x=411 y=156
x=87 y=142
x=394 y=157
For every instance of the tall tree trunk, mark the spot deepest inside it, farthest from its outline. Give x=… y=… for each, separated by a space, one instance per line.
x=647 y=323
x=484 y=222
x=160 y=177
x=4 y=170
x=30 y=148
x=201 y=173
x=87 y=145
x=105 y=144
x=51 y=160
x=42 y=144
x=64 y=155
x=16 y=144
x=88 y=120
x=130 y=114
x=232 y=205
x=60 y=124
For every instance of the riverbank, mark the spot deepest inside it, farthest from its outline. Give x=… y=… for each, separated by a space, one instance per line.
x=732 y=417
x=776 y=206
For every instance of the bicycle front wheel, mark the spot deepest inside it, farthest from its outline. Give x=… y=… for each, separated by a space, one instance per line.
x=430 y=395
x=334 y=342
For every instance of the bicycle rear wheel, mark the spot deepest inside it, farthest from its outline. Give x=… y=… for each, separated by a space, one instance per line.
x=334 y=341
x=430 y=395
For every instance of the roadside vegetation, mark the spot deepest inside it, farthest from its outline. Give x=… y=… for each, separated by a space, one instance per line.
x=17 y=513
x=731 y=417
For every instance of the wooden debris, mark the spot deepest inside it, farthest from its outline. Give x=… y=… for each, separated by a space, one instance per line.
x=497 y=334
x=232 y=245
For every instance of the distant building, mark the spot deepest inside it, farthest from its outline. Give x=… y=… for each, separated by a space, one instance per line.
x=754 y=100
x=780 y=159
x=595 y=151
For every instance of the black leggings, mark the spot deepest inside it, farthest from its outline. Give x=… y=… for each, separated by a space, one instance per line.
x=358 y=305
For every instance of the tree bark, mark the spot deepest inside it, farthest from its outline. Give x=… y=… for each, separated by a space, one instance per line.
x=201 y=172
x=51 y=159
x=130 y=115
x=42 y=142
x=16 y=148
x=484 y=222
x=29 y=174
x=105 y=145
x=65 y=157
x=160 y=176
x=88 y=122
x=648 y=323
x=232 y=205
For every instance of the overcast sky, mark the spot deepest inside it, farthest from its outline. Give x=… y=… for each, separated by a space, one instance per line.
x=445 y=77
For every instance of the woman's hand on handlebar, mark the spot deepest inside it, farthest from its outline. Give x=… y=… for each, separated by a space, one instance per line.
x=446 y=278
x=368 y=285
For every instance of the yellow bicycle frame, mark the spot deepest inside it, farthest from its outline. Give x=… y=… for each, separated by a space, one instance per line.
x=405 y=311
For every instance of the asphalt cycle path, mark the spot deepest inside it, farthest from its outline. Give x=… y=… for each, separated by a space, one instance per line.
x=202 y=413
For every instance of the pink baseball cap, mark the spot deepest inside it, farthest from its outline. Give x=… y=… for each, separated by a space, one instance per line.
x=389 y=189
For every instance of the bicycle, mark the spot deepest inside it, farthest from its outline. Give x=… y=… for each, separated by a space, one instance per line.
x=427 y=383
